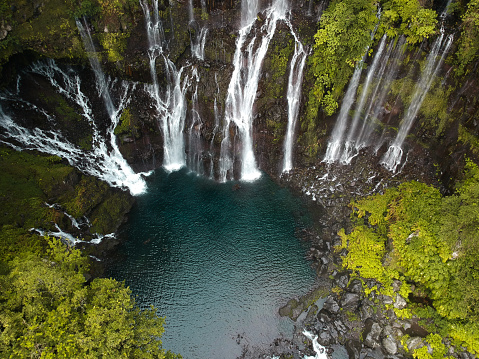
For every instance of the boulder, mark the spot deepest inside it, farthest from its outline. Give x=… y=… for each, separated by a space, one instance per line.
x=390 y=345
x=350 y=300
x=366 y=311
x=353 y=347
x=396 y=285
x=342 y=281
x=324 y=316
x=371 y=334
x=331 y=305
x=324 y=338
x=414 y=343
x=400 y=302
x=355 y=286
x=340 y=326
x=387 y=299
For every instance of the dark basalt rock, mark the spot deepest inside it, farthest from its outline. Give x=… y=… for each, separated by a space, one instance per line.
x=371 y=334
x=390 y=345
x=350 y=301
x=331 y=305
x=355 y=286
x=353 y=347
x=342 y=281
x=324 y=315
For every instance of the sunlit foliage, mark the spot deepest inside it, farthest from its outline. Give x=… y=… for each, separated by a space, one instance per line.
x=48 y=311
x=415 y=235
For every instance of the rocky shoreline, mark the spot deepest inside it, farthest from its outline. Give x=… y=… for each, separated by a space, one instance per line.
x=343 y=312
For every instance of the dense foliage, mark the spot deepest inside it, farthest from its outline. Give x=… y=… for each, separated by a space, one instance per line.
x=408 y=18
x=341 y=41
x=48 y=311
x=49 y=27
x=345 y=33
x=413 y=234
x=30 y=183
x=468 y=47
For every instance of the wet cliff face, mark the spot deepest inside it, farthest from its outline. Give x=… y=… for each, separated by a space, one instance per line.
x=443 y=131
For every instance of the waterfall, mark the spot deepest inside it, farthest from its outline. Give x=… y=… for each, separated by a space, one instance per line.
x=191 y=16
x=333 y=150
x=195 y=148
x=215 y=129
x=197 y=36
x=319 y=350
x=389 y=68
x=335 y=144
x=198 y=41
x=242 y=91
x=393 y=156
x=349 y=145
x=104 y=160
x=249 y=10
x=171 y=105
x=295 y=80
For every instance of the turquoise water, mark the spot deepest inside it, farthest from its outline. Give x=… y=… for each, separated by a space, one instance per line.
x=218 y=260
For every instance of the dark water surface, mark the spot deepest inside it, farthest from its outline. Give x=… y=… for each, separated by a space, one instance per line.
x=216 y=260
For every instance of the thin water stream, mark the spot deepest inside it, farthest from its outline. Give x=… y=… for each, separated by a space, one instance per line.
x=217 y=259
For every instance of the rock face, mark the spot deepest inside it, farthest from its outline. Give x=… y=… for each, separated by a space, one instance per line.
x=122 y=44
x=120 y=39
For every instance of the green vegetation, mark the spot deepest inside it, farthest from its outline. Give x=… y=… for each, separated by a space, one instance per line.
x=49 y=28
x=279 y=63
x=468 y=46
x=413 y=234
x=30 y=180
x=127 y=125
x=47 y=310
x=342 y=40
x=409 y=18
x=114 y=44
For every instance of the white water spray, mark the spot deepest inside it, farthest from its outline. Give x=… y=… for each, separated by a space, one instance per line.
x=318 y=348
x=198 y=41
x=389 y=68
x=242 y=90
x=393 y=156
x=295 y=81
x=335 y=144
x=104 y=160
x=349 y=146
x=170 y=105
x=249 y=10
x=195 y=148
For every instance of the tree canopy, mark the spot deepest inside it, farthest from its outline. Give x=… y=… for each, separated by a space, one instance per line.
x=47 y=310
x=345 y=33
x=413 y=234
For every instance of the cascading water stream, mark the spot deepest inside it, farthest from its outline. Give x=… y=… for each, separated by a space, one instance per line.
x=171 y=105
x=335 y=144
x=242 y=89
x=249 y=10
x=295 y=81
x=101 y=162
x=113 y=112
x=333 y=150
x=320 y=351
x=197 y=36
x=351 y=140
x=195 y=148
x=393 y=156
x=191 y=15
x=388 y=71
x=198 y=42
x=215 y=129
